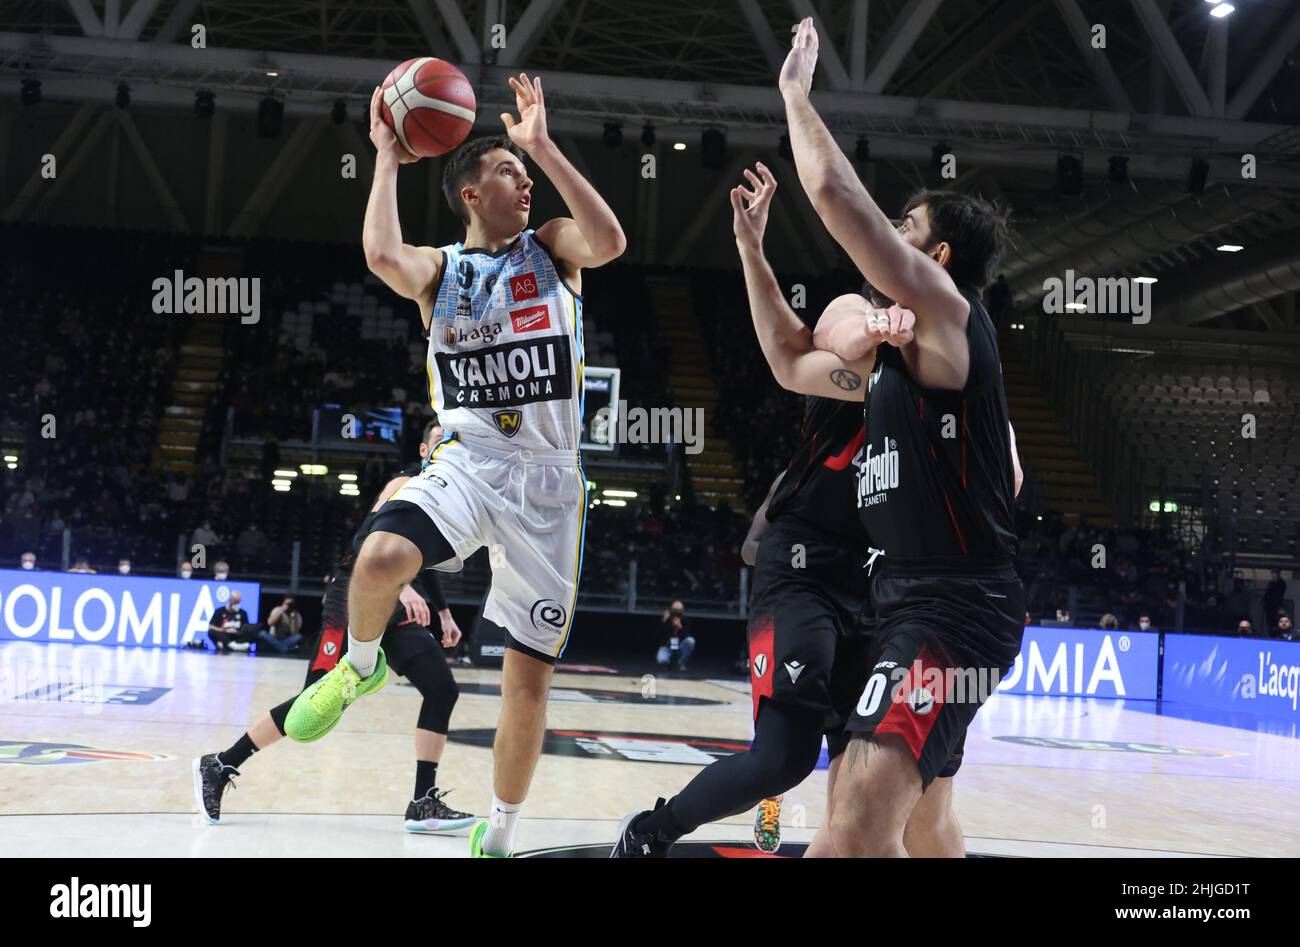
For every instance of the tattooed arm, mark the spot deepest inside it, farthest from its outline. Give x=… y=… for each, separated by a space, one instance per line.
x=786 y=342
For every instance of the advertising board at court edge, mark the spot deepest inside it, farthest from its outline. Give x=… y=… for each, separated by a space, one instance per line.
x=113 y=610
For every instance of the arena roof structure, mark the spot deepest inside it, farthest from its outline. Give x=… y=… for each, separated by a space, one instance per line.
x=1008 y=87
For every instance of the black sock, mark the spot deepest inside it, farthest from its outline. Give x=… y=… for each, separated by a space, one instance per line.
x=426 y=775
x=662 y=824
x=238 y=754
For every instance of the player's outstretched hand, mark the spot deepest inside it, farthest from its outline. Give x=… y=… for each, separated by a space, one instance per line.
x=801 y=63
x=892 y=326
x=529 y=130
x=384 y=140
x=450 y=630
x=750 y=207
x=417 y=609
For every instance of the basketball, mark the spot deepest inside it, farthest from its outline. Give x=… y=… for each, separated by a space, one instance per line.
x=429 y=105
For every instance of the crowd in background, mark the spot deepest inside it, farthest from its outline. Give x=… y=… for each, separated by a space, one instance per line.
x=91 y=358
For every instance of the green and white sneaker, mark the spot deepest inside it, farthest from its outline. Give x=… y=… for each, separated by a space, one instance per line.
x=318 y=709
x=476 y=842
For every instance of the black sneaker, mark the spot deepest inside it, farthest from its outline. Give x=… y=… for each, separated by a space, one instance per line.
x=634 y=844
x=210 y=779
x=429 y=815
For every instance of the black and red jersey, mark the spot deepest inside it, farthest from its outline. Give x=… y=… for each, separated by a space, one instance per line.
x=937 y=484
x=819 y=484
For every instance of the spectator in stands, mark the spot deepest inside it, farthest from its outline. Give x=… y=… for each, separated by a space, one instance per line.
x=676 y=646
x=205 y=537
x=28 y=561
x=124 y=566
x=283 y=628
x=229 y=625
x=185 y=570
x=1245 y=629
x=1144 y=623
x=1063 y=616
x=1273 y=596
x=178 y=490
x=1284 y=629
x=82 y=565
x=1109 y=622
x=221 y=571
x=252 y=544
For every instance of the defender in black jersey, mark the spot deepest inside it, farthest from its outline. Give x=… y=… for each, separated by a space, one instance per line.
x=937 y=481
x=412 y=651
x=808 y=636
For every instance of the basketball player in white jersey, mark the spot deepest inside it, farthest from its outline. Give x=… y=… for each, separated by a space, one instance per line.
x=504 y=314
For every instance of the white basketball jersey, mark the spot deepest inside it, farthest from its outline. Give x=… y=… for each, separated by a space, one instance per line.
x=505 y=349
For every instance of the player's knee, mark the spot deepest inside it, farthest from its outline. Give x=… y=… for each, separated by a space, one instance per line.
x=387 y=558
x=435 y=712
x=789 y=764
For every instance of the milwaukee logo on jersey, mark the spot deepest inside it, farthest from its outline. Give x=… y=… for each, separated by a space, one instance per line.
x=877 y=473
x=524 y=287
x=514 y=373
x=532 y=319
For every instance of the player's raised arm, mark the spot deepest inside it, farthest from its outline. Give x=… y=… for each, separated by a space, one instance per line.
x=786 y=342
x=407 y=270
x=593 y=236
x=893 y=266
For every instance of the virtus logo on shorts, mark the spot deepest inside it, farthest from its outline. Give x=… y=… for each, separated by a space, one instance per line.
x=509 y=422
x=548 y=615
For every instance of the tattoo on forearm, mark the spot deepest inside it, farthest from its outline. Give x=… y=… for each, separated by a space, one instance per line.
x=845 y=379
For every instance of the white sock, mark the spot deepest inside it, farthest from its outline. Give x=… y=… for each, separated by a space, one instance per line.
x=499 y=839
x=363 y=655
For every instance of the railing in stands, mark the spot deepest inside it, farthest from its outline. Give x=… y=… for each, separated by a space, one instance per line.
x=1076 y=392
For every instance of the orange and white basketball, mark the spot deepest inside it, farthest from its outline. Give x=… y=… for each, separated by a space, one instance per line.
x=429 y=105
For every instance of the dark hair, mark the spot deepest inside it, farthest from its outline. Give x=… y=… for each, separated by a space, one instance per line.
x=428 y=428
x=978 y=231
x=463 y=165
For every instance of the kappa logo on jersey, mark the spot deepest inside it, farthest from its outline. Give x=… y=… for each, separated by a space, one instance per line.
x=524 y=287
x=508 y=375
x=509 y=422
x=548 y=615
x=760 y=665
x=877 y=474
x=532 y=319
x=486 y=334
